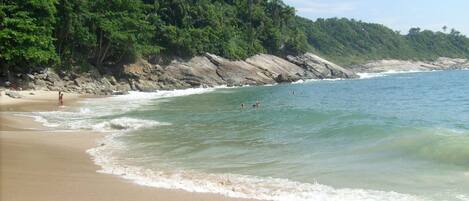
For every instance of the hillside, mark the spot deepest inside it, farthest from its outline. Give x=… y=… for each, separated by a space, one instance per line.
x=80 y=35
x=351 y=42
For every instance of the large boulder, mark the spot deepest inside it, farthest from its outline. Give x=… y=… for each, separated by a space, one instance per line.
x=274 y=66
x=13 y=94
x=239 y=72
x=198 y=71
x=320 y=67
x=39 y=84
x=51 y=76
x=283 y=78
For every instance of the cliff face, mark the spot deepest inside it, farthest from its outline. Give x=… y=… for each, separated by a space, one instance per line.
x=201 y=71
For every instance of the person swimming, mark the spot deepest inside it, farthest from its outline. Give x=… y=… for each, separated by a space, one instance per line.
x=256 y=105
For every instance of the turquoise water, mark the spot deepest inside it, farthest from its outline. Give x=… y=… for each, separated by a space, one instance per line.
x=395 y=137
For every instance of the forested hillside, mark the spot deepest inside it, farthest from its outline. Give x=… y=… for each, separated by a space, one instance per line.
x=349 y=41
x=82 y=33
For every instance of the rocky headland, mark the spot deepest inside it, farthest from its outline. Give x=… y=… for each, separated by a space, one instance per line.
x=211 y=70
x=201 y=71
x=442 y=63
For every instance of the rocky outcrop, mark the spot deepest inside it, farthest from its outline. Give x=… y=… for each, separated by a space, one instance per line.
x=239 y=72
x=201 y=71
x=13 y=94
x=320 y=68
x=442 y=63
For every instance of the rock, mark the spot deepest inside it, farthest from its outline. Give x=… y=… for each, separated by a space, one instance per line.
x=52 y=76
x=32 y=93
x=13 y=94
x=111 y=79
x=41 y=76
x=39 y=84
x=442 y=63
x=105 y=83
x=196 y=72
x=320 y=67
x=282 y=78
x=123 y=86
x=239 y=72
x=120 y=92
x=138 y=68
x=274 y=66
x=106 y=92
x=31 y=77
x=146 y=86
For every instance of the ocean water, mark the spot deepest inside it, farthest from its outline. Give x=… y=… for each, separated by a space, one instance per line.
x=383 y=137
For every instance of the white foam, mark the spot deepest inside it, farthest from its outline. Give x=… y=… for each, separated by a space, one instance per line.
x=125 y=123
x=390 y=72
x=239 y=186
x=462 y=197
x=298 y=82
x=96 y=117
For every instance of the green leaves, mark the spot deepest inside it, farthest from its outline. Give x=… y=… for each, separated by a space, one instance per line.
x=26 y=33
x=67 y=33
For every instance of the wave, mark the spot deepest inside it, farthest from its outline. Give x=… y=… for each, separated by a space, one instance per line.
x=301 y=81
x=107 y=115
x=442 y=145
x=232 y=185
x=390 y=72
x=126 y=124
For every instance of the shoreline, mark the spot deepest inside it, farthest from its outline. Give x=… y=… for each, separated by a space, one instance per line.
x=41 y=163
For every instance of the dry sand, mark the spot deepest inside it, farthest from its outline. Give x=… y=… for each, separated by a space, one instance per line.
x=41 y=164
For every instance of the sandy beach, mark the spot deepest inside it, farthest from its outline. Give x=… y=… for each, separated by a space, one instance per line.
x=41 y=164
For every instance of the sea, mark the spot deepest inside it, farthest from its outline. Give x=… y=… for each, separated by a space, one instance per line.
x=386 y=136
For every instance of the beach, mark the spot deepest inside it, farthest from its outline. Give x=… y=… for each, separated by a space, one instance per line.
x=39 y=163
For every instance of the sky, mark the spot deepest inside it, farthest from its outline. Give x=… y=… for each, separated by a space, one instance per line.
x=399 y=15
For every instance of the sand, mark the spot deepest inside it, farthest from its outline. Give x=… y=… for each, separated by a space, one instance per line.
x=41 y=164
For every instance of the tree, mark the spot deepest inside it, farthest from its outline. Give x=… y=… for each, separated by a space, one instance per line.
x=445 y=28
x=26 y=40
x=121 y=30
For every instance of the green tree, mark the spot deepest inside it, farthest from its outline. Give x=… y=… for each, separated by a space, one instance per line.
x=26 y=40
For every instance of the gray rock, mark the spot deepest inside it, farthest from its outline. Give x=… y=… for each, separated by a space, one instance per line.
x=105 y=83
x=196 y=72
x=40 y=83
x=111 y=79
x=13 y=94
x=239 y=72
x=320 y=67
x=31 y=77
x=120 y=93
x=282 y=78
x=41 y=76
x=146 y=86
x=274 y=66
x=52 y=76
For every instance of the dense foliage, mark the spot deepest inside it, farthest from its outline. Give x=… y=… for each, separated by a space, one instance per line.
x=350 y=41
x=67 y=33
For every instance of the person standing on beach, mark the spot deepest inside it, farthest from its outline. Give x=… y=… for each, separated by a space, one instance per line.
x=61 y=98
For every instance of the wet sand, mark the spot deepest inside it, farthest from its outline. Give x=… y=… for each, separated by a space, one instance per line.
x=42 y=164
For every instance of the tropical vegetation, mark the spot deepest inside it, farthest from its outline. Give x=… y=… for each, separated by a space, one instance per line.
x=72 y=34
